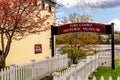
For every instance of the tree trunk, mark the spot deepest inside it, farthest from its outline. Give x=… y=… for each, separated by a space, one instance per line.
x=2 y=63
x=74 y=61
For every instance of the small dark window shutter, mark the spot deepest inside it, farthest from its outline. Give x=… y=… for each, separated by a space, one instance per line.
x=43 y=5
x=50 y=8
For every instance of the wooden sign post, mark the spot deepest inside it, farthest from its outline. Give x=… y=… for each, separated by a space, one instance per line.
x=85 y=27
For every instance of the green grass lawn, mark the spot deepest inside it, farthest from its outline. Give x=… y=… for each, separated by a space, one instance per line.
x=107 y=71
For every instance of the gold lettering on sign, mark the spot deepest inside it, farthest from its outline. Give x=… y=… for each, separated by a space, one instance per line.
x=73 y=25
x=86 y=25
x=78 y=27
x=91 y=29
x=97 y=30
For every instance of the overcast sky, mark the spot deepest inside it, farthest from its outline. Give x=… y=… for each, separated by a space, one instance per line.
x=102 y=11
x=91 y=3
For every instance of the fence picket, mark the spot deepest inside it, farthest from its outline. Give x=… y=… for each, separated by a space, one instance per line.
x=94 y=78
x=118 y=78
x=71 y=78
x=86 y=77
x=8 y=74
x=12 y=72
x=78 y=77
x=102 y=78
x=110 y=78
x=5 y=74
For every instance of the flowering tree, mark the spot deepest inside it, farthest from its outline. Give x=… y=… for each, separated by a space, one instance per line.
x=19 y=18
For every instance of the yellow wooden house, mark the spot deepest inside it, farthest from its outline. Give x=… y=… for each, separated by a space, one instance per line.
x=34 y=46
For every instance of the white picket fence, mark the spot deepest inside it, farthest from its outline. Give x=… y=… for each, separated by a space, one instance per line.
x=94 y=78
x=105 y=58
x=85 y=68
x=79 y=71
x=35 y=70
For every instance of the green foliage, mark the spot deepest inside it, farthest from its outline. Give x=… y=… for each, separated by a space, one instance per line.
x=73 y=52
x=80 y=38
x=117 y=38
x=85 y=38
x=64 y=49
x=117 y=61
x=106 y=39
